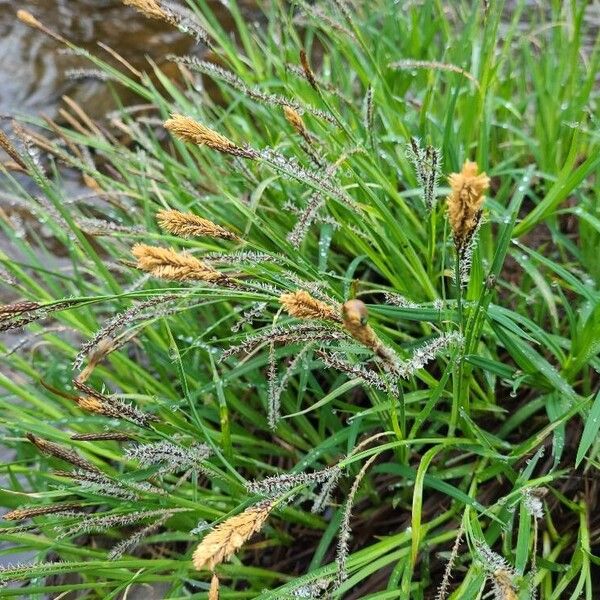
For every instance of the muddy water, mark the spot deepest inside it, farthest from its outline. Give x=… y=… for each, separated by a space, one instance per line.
x=34 y=69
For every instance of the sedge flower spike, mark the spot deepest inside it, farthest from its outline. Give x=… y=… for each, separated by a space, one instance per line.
x=465 y=203
x=175 y=266
x=150 y=8
x=302 y=305
x=189 y=225
x=191 y=131
x=355 y=317
x=230 y=535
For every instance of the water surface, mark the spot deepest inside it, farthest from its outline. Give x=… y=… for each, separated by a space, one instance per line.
x=34 y=68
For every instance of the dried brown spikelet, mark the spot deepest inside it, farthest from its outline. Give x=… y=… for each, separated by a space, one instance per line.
x=52 y=449
x=98 y=403
x=168 y=264
x=102 y=437
x=302 y=305
x=294 y=118
x=188 y=225
x=8 y=147
x=465 y=202
x=308 y=72
x=20 y=514
x=150 y=8
x=354 y=317
x=189 y=130
x=17 y=308
x=213 y=593
x=227 y=537
x=29 y=20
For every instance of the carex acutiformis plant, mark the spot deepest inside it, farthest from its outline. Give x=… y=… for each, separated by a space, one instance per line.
x=291 y=353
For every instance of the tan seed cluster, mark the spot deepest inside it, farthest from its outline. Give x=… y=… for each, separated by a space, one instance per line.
x=465 y=202
x=227 y=537
x=98 y=403
x=302 y=305
x=150 y=8
x=189 y=225
x=294 y=118
x=168 y=264
x=354 y=317
x=308 y=72
x=189 y=130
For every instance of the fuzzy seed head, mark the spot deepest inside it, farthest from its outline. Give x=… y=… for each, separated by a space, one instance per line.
x=308 y=72
x=227 y=537
x=189 y=225
x=354 y=317
x=150 y=8
x=189 y=130
x=355 y=314
x=98 y=403
x=465 y=202
x=168 y=264
x=302 y=305
x=295 y=120
x=91 y=404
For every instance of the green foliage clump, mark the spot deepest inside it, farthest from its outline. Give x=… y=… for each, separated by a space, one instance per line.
x=281 y=312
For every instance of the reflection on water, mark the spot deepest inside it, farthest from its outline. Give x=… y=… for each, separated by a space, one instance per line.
x=33 y=67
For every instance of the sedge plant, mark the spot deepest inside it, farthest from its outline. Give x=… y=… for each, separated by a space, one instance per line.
x=322 y=319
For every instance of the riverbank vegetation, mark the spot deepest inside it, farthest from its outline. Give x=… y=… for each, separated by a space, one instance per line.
x=323 y=320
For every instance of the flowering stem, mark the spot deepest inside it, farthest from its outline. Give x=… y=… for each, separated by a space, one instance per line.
x=431 y=241
x=457 y=399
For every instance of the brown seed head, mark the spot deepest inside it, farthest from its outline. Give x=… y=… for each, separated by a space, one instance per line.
x=302 y=305
x=29 y=20
x=354 y=317
x=227 y=537
x=308 y=72
x=465 y=202
x=150 y=8
x=91 y=405
x=52 y=449
x=355 y=313
x=17 y=308
x=168 y=264
x=189 y=130
x=8 y=147
x=95 y=402
x=295 y=120
x=188 y=225
x=108 y=436
x=21 y=514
